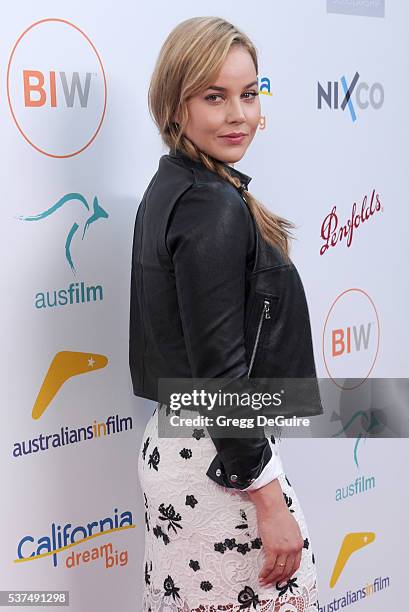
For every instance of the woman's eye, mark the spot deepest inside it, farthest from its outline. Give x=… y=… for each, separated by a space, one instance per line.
x=253 y=94
x=212 y=97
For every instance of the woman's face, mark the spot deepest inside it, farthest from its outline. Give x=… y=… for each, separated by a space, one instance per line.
x=230 y=106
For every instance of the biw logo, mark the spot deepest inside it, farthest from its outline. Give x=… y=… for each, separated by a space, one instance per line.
x=56 y=87
x=351 y=336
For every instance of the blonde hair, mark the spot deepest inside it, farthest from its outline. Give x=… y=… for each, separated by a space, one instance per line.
x=182 y=70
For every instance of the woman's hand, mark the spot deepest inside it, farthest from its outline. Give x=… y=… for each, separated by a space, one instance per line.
x=279 y=532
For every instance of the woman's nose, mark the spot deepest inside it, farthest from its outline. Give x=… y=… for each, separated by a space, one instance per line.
x=235 y=111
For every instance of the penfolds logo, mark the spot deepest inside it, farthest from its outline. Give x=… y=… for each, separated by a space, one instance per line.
x=332 y=232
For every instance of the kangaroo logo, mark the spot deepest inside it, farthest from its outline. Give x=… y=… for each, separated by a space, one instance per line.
x=98 y=213
x=360 y=414
x=367 y=423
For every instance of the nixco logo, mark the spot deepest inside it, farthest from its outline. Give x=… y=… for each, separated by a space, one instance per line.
x=351 y=334
x=65 y=365
x=56 y=88
x=354 y=95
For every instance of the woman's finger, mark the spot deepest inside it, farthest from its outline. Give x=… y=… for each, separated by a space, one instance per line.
x=297 y=562
x=278 y=571
x=267 y=568
x=293 y=567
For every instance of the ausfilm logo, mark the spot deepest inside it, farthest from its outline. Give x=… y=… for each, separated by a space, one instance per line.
x=56 y=88
x=350 y=341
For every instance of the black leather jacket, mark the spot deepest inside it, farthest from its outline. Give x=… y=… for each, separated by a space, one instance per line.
x=211 y=298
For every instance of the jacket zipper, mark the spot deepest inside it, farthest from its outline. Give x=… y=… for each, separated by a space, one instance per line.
x=265 y=314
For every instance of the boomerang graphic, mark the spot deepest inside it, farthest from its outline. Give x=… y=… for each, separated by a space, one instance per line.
x=65 y=365
x=350 y=544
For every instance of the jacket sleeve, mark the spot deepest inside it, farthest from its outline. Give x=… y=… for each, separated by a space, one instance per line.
x=208 y=239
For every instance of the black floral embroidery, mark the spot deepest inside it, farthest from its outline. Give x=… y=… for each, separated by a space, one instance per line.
x=256 y=543
x=154 y=459
x=313 y=558
x=145 y=499
x=198 y=433
x=145 y=446
x=219 y=547
x=205 y=585
x=272 y=438
x=289 y=502
x=170 y=588
x=288 y=482
x=306 y=543
x=247 y=597
x=186 y=453
x=243 y=548
x=230 y=543
x=159 y=534
x=147 y=521
x=147 y=575
x=194 y=565
x=292 y=582
x=191 y=501
x=169 y=514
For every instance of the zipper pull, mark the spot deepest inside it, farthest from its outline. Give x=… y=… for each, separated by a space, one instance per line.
x=266 y=309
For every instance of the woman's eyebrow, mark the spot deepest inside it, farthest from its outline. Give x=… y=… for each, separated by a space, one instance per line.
x=217 y=88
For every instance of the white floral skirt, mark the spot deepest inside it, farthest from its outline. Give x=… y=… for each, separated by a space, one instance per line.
x=202 y=548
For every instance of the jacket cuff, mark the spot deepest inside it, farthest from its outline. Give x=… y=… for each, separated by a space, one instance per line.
x=271 y=471
x=237 y=474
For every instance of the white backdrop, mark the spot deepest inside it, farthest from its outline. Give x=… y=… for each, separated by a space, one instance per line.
x=78 y=149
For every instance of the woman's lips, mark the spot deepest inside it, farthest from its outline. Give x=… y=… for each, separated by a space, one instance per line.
x=234 y=139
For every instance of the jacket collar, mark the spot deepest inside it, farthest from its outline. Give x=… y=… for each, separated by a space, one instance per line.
x=244 y=178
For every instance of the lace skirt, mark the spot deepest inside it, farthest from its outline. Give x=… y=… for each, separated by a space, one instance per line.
x=202 y=548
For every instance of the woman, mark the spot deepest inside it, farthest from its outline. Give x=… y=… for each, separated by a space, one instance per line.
x=224 y=527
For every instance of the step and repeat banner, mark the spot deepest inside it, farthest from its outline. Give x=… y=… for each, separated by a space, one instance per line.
x=78 y=149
